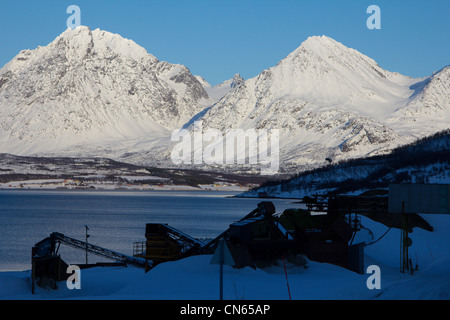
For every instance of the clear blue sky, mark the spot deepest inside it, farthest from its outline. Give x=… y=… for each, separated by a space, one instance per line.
x=217 y=39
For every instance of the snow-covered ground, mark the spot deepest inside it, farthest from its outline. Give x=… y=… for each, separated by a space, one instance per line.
x=195 y=278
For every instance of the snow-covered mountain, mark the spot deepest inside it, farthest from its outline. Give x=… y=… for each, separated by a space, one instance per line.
x=330 y=101
x=89 y=87
x=93 y=93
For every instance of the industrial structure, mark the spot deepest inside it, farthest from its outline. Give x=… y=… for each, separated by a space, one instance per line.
x=47 y=267
x=324 y=231
x=165 y=243
x=262 y=237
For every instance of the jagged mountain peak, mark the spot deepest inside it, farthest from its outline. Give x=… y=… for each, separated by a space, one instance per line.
x=83 y=39
x=74 y=45
x=236 y=81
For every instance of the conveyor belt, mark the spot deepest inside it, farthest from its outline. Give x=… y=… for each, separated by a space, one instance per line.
x=181 y=236
x=56 y=237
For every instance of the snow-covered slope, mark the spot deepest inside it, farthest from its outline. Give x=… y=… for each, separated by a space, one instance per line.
x=425 y=161
x=430 y=102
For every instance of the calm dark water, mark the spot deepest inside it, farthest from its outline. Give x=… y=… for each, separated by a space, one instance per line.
x=115 y=219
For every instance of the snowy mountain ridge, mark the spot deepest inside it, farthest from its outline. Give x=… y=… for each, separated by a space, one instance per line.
x=94 y=93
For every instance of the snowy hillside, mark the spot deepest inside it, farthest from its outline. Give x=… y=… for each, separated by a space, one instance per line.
x=425 y=161
x=93 y=93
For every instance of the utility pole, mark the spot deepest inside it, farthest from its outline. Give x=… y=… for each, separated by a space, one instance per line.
x=87 y=236
x=405 y=242
x=221 y=262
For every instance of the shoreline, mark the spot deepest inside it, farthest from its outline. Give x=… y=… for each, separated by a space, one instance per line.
x=173 y=188
x=94 y=187
x=240 y=191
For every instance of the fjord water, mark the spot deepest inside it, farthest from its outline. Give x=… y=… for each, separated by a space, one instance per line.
x=115 y=219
